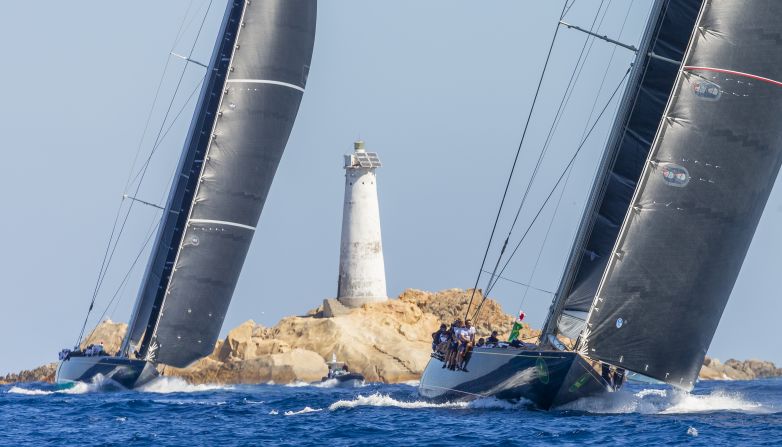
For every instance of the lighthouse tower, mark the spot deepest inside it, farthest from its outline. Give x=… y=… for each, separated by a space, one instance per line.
x=362 y=274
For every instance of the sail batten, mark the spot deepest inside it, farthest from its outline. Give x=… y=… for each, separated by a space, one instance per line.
x=713 y=163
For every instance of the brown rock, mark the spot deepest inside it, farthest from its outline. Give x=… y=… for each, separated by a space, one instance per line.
x=43 y=373
x=109 y=333
x=291 y=366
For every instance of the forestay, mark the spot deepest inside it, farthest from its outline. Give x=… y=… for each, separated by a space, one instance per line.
x=713 y=163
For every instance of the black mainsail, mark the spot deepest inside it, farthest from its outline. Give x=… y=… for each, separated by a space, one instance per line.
x=245 y=113
x=713 y=163
x=662 y=46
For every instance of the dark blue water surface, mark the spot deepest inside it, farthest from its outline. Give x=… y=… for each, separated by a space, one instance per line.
x=170 y=412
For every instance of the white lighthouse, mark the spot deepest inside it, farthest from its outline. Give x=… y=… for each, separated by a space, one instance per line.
x=362 y=273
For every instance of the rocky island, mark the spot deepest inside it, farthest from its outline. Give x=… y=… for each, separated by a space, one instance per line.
x=388 y=342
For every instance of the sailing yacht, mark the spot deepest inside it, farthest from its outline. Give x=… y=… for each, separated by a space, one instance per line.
x=692 y=157
x=246 y=109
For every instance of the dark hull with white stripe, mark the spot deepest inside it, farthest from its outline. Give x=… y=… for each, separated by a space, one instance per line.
x=546 y=378
x=126 y=372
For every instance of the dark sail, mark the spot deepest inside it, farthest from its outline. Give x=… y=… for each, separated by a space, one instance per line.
x=713 y=163
x=668 y=31
x=240 y=129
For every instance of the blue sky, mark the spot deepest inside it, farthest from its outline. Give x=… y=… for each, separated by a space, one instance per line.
x=440 y=89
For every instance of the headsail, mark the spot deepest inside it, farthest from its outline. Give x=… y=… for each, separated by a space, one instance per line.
x=668 y=30
x=241 y=126
x=712 y=166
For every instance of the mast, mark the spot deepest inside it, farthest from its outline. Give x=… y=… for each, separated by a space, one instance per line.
x=714 y=161
x=653 y=73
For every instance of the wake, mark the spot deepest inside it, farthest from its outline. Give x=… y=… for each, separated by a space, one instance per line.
x=384 y=400
x=166 y=385
x=666 y=401
x=99 y=384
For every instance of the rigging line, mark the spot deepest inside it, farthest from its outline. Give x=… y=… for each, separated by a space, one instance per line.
x=104 y=266
x=570 y=163
x=184 y=106
x=171 y=125
x=151 y=232
x=578 y=69
x=563 y=102
x=548 y=232
x=106 y=262
x=515 y=160
x=158 y=138
x=157 y=95
x=523 y=284
x=567 y=9
x=608 y=68
x=570 y=171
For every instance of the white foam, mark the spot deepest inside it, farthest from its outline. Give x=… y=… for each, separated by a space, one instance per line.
x=413 y=383
x=692 y=431
x=28 y=392
x=384 y=400
x=274 y=412
x=330 y=383
x=166 y=385
x=304 y=410
x=189 y=402
x=716 y=401
x=666 y=401
x=99 y=383
x=297 y=384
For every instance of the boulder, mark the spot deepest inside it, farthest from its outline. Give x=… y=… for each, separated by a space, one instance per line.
x=43 y=373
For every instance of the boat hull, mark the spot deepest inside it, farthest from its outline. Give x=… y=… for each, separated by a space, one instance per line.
x=546 y=378
x=127 y=372
x=350 y=380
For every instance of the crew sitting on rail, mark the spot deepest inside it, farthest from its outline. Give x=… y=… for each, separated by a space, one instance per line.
x=493 y=340
x=467 y=339
x=453 y=345
x=93 y=350
x=481 y=343
x=440 y=337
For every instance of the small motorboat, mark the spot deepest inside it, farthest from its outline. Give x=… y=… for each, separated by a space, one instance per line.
x=340 y=372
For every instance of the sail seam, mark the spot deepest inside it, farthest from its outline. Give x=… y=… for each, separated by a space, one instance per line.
x=222 y=222
x=737 y=73
x=265 y=81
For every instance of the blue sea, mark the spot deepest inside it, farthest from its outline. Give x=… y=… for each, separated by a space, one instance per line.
x=172 y=412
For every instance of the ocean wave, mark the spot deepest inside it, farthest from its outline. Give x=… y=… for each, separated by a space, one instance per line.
x=98 y=383
x=165 y=385
x=384 y=400
x=28 y=392
x=661 y=401
x=297 y=384
x=190 y=402
x=304 y=410
x=413 y=383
